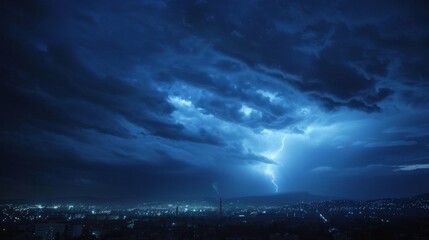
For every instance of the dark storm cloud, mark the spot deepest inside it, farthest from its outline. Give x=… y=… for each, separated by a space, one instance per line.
x=333 y=56
x=51 y=169
x=228 y=66
x=61 y=169
x=138 y=91
x=58 y=84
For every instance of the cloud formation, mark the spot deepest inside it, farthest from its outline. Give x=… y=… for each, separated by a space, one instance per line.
x=141 y=97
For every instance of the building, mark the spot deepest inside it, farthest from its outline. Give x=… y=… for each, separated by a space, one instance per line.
x=73 y=231
x=50 y=231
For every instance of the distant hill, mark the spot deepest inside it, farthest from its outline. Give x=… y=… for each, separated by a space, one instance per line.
x=281 y=199
x=13 y=201
x=277 y=199
x=64 y=200
x=272 y=200
x=422 y=196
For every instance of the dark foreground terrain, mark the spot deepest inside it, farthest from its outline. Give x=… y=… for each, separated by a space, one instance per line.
x=244 y=218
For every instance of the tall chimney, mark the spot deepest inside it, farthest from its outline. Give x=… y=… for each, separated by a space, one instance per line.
x=177 y=211
x=220 y=207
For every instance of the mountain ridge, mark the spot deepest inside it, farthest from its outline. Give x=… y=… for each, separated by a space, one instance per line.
x=272 y=199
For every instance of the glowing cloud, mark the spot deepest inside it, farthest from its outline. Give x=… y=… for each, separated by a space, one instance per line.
x=412 y=167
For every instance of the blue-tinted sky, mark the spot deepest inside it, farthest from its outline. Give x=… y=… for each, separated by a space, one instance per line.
x=154 y=99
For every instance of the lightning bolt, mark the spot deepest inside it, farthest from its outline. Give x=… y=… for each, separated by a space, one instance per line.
x=269 y=170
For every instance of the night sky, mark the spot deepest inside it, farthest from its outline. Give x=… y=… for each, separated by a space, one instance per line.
x=152 y=99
